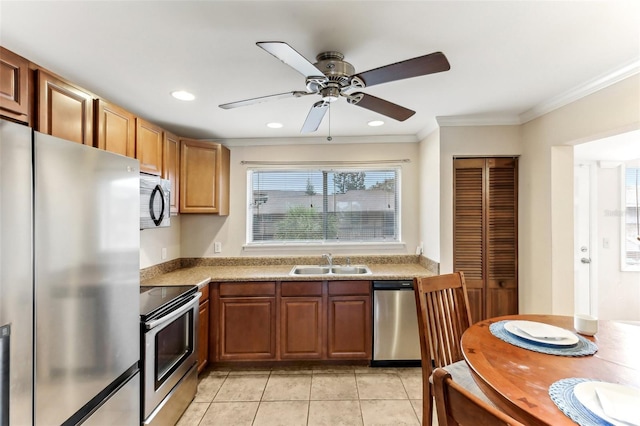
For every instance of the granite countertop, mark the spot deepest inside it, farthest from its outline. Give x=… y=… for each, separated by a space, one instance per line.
x=201 y=275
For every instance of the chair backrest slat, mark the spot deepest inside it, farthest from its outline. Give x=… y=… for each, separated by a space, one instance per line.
x=443 y=315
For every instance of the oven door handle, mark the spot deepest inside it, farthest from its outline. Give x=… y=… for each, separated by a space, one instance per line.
x=173 y=314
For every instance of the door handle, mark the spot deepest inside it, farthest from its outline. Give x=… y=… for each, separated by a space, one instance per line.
x=585 y=260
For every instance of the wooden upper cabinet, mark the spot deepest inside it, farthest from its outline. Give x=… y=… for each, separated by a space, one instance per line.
x=14 y=86
x=115 y=129
x=485 y=233
x=149 y=143
x=204 y=177
x=171 y=168
x=63 y=110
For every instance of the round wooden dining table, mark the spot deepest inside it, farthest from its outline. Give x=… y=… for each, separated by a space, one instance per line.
x=517 y=380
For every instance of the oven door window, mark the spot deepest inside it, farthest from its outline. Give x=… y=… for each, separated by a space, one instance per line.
x=173 y=344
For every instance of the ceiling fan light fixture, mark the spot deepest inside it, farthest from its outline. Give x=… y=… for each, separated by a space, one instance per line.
x=375 y=123
x=274 y=125
x=183 y=95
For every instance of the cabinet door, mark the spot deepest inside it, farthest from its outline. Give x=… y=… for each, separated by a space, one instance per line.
x=485 y=245
x=469 y=232
x=115 y=129
x=349 y=327
x=203 y=335
x=14 y=86
x=247 y=328
x=502 y=237
x=149 y=147
x=301 y=327
x=204 y=177
x=171 y=168
x=64 y=111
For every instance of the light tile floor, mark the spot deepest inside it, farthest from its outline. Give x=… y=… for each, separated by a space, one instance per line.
x=310 y=396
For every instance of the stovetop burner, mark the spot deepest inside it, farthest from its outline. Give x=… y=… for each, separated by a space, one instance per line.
x=155 y=299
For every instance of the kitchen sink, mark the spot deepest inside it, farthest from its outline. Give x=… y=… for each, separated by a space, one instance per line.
x=351 y=270
x=333 y=270
x=310 y=270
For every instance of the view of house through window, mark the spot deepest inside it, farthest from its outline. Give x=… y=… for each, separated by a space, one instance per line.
x=631 y=220
x=337 y=205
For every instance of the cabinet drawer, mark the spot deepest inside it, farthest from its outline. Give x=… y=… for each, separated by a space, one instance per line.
x=205 y=293
x=301 y=288
x=247 y=289
x=340 y=288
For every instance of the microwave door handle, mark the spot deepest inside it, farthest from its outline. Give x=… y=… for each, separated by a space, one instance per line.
x=156 y=190
x=173 y=314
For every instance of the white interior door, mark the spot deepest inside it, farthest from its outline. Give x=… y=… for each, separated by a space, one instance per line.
x=583 y=259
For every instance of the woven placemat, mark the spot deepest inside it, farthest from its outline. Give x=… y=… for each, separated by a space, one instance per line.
x=561 y=393
x=584 y=347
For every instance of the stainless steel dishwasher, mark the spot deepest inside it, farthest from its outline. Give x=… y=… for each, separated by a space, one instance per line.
x=396 y=341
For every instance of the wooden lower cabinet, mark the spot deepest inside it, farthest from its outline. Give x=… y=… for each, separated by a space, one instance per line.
x=292 y=321
x=247 y=327
x=203 y=335
x=349 y=320
x=302 y=316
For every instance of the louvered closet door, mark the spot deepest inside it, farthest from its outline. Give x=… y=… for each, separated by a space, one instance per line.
x=485 y=233
x=469 y=235
x=502 y=241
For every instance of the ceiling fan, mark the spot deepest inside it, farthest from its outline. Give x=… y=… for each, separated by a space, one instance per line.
x=332 y=77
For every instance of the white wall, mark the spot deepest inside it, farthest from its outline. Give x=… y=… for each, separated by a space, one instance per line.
x=429 y=187
x=468 y=141
x=152 y=241
x=199 y=232
x=618 y=291
x=546 y=270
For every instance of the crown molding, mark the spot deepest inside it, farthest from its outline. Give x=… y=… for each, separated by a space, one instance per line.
x=547 y=106
x=480 y=120
x=581 y=91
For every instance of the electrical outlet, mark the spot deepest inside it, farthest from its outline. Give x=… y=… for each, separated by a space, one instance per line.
x=164 y=253
x=217 y=247
x=605 y=243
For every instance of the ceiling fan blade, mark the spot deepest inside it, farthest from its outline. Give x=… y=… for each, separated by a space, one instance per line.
x=315 y=116
x=380 y=106
x=422 y=65
x=264 y=99
x=291 y=57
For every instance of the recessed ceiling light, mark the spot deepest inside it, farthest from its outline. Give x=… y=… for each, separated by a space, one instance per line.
x=274 y=125
x=182 y=95
x=375 y=123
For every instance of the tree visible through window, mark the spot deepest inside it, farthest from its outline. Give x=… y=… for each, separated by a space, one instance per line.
x=324 y=206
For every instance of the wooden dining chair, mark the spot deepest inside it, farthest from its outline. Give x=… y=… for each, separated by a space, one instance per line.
x=443 y=315
x=455 y=405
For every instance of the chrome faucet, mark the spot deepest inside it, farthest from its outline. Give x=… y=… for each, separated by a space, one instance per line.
x=329 y=259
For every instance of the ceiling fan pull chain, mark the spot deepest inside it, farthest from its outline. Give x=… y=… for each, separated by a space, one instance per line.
x=329 y=138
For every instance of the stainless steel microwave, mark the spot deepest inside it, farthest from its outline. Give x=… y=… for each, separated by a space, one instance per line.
x=155 y=195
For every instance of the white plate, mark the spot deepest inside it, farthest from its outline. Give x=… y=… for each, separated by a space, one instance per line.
x=541 y=333
x=617 y=406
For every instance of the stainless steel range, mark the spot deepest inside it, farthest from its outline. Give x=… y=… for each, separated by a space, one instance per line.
x=169 y=322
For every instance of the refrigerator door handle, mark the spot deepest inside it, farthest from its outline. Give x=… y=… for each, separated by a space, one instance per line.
x=173 y=314
x=156 y=190
x=5 y=371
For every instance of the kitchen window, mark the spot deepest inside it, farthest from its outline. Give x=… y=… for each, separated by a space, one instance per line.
x=631 y=218
x=320 y=206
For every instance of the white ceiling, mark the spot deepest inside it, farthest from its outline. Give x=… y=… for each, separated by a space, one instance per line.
x=506 y=57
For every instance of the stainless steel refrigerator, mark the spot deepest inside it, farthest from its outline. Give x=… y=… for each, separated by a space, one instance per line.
x=69 y=282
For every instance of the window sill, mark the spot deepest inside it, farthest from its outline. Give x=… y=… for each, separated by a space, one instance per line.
x=337 y=247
